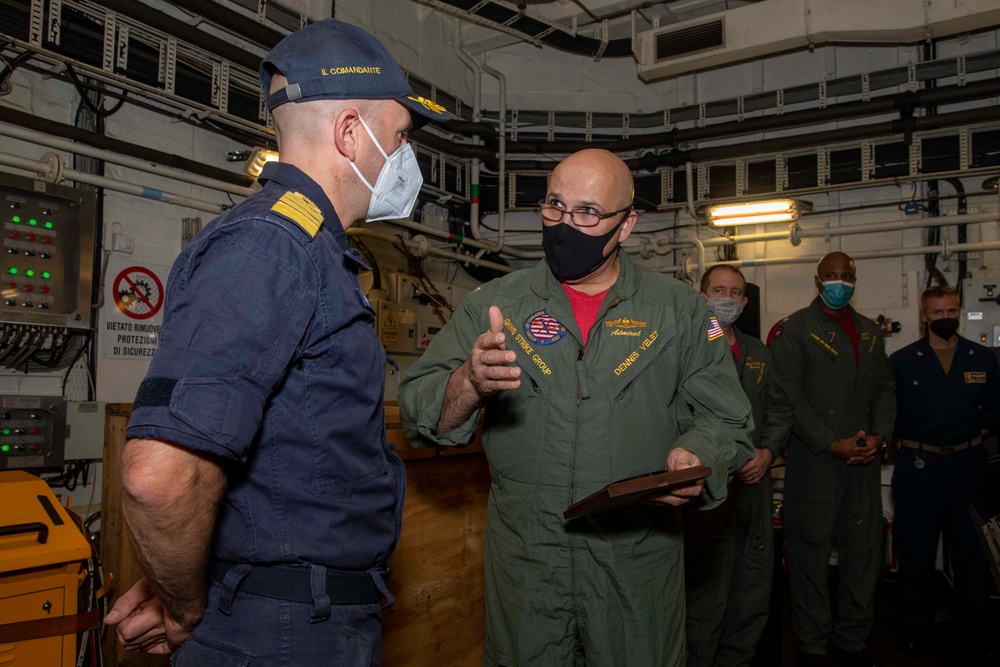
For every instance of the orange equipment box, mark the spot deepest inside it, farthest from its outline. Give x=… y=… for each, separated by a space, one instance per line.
x=41 y=550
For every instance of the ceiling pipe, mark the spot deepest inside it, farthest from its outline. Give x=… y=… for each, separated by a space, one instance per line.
x=501 y=164
x=945 y=249
x=149 y=167
x=651 y=161
x=457 y=238
x=83 y=137
x=52 y=170
x=512 y=18
x=678 y=158
x=232 y=21
x=477 y=74
x=210 y=43
x=903 y=103
x=871 y=228
x=421 y=246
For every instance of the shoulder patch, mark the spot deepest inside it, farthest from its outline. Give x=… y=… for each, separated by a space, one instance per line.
x=714 y=330
x=301 y=210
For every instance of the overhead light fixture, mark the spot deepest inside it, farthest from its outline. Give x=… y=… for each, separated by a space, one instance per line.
x=991 y=183
x=258 y=158
x=755 y=213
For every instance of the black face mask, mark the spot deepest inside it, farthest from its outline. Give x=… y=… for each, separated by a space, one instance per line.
x=944 y=328
x=571 y=253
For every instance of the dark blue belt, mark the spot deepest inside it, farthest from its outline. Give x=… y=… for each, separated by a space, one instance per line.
x=293 y=584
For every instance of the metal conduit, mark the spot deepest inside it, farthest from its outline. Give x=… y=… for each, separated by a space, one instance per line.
x=83 y=137
x=902 y=103
x=871 y=228
x=944 y=249
x=457 y=238
x=116 y=158
x=52 y=170
x=502 y=163
x=418 y=245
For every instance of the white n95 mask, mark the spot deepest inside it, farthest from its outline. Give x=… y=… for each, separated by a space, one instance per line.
x=398 y=183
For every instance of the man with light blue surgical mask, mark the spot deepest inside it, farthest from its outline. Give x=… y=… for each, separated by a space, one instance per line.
x=831 y=365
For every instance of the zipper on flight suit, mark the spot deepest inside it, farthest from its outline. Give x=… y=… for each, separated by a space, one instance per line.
x=582 y=391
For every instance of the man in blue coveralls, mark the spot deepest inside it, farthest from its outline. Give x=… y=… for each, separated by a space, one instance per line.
x=260 y=493
x=948 y=391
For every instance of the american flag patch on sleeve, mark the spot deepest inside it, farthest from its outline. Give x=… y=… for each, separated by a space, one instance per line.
x=714 y=330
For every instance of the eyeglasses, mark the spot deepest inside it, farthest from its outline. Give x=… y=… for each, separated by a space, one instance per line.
x=581 y=217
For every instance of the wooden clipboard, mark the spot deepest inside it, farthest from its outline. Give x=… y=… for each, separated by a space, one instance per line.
x=633 y=489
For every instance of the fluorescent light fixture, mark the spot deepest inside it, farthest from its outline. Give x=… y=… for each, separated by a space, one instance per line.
x=755 y=213
x=258 y=158
x=991 y=183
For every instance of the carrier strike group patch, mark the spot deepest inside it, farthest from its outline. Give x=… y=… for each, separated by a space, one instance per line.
x=543 y=329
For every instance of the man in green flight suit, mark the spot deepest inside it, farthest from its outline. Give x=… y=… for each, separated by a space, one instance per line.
x=729 y=551
x=831 y=365
x=590 y=369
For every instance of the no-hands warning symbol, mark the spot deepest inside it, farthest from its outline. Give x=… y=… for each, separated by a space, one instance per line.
x=138 y=293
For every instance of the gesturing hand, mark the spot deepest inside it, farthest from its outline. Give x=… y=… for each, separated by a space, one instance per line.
x=487 y=368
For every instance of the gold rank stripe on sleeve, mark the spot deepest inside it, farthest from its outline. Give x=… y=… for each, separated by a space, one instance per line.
x=824 y=344
x=299 y=209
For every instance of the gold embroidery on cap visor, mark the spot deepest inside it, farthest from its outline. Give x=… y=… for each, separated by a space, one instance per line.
x=430 y=105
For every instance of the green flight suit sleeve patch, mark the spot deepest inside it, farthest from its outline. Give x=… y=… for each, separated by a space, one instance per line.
x=301 y=210
x=714 y=330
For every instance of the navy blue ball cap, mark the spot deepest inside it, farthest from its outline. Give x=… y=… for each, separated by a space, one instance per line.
x=333 y=60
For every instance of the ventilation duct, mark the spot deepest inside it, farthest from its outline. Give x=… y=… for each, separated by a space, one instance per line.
x=691 y=39
x=776 y=26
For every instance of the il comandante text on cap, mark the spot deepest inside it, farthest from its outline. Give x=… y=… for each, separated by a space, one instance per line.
x=350 y=70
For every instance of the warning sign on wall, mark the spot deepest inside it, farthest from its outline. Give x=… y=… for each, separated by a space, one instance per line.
x=133 y=309
x=390 y=329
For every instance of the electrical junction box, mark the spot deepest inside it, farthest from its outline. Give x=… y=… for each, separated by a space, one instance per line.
x=85 y=430
x=981 y=311
x=47 y=259
x=426 y=333
x=32 y=432
x=396 y=327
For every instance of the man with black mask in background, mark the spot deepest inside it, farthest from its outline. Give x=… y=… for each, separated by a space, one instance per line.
x=948 y=393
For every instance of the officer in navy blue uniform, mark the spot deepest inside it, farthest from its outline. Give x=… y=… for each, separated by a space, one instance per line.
x=948 y=393
x=261 y=495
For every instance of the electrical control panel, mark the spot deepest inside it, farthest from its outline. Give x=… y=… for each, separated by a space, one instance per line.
x=981 y=311
x=32 y=432
x=46 y=266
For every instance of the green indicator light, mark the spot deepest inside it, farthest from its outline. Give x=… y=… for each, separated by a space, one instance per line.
x=16 y=218
x=6 y=431
x=12 y=270
x=48 y=225
x=5 y=448
x=46 y=274
x=29 y=272
x=32 y=222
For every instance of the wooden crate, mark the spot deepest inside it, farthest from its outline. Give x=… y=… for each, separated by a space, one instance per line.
x=437 y=569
